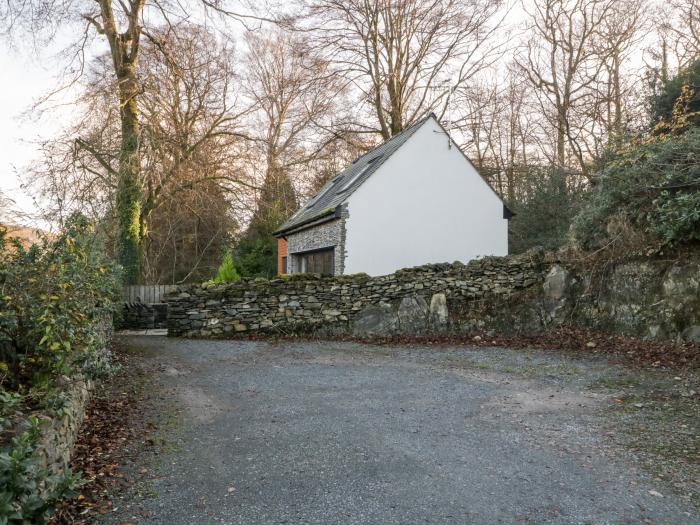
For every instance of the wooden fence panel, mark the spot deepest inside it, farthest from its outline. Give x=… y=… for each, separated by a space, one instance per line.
x=146 y=293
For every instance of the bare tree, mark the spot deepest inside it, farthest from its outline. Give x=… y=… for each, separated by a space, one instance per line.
x=188 y=234
x=7 y=213
x=561 y=61
x=192 y=115
x=619 y=34
x=335 y=156
x=190 y=133
x=294 y=93
x=122 y=25
x=686 y=29
x=401 y=55
x=496 y=119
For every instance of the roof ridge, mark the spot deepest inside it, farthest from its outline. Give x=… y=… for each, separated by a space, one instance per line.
x=404 y=130
x=350 y=178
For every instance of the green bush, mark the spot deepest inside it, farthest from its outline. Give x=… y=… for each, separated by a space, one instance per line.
x=665 y=102
x=548 y=200
x=677 y=216
x=227 y=272
x=54 y=300
x=257 y=257
x=28 y=491
x=53 y=297
x=651 y=187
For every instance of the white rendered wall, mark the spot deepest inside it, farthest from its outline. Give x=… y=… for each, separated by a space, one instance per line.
x=425 y=204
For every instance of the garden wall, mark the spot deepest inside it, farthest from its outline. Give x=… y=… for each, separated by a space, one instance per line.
x=652 y=298
x=416 y=299
x=140 y=316
x=59 y=429
x=60 y=432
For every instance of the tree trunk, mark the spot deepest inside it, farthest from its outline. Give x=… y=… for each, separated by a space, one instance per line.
x=129 y=245
x=561 y=139
x=617 y=97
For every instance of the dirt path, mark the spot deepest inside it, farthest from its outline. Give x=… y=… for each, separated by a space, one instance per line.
x=334 y=433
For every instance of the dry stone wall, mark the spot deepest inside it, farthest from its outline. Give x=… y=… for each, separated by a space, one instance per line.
x=140 y=316
x=59 y=431
x=649 y=298
x=413 y=300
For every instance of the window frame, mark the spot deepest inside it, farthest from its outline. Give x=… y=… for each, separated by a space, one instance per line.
x=322 y=259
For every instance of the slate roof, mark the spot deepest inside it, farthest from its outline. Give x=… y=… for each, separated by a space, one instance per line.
x=342 y=185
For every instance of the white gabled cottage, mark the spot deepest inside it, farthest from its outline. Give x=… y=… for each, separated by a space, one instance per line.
x=414 y=199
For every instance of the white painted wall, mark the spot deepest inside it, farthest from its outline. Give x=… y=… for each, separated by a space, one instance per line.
x=425 y=204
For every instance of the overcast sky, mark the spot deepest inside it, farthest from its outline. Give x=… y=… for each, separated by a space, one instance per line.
x=23 y=82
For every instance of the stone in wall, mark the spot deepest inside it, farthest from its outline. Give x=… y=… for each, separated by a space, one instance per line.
x=680 y=290
x=140 y=316
x=439 y=314
x=375 y=319
x=558 y=290
x=59 y=431
x=412 y=314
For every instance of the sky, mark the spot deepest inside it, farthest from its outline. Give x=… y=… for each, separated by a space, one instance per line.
x=24 y=82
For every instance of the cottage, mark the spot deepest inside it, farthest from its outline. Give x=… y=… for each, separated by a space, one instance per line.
x=414 y=199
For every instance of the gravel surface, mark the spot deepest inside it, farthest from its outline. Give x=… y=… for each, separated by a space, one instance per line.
x=342 y=433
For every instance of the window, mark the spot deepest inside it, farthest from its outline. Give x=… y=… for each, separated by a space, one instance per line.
x=317 y=262
x=284 y=265
x=353 y=179
x=321 y=193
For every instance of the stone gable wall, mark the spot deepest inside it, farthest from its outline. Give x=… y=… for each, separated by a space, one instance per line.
x=326 y=235
x=416 y=299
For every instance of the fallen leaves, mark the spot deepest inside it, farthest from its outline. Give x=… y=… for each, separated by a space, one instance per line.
x=101 y=447
x=630 y=350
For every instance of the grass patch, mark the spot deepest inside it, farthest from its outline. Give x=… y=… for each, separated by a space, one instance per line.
x=615 y=383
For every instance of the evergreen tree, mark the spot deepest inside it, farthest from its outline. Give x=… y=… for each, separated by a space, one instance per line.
x=227 y=272
x=256 y=253
x=679 y=97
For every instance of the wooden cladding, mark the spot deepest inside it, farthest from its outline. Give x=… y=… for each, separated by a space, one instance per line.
x=321 y=262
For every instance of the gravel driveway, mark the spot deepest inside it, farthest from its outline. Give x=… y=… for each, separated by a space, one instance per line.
x=342 y=433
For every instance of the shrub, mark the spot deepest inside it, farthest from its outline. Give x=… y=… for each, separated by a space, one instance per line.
x=54 y=301
x=677 y=216
x=227 y=272
x=652 y=187
x=680 y=94
x=53 y=297
x=547 y=202
x=28 y=491
x=257 y=257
